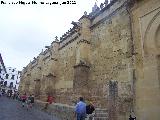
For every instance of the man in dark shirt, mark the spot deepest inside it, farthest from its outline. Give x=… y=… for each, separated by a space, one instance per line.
x=132 y=118
x=89 y=110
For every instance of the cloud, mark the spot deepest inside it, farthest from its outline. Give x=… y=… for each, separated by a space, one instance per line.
x=25 y=30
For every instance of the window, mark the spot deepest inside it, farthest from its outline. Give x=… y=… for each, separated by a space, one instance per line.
x=13 y=70
x=11 y=84
x=7 y=76
x=5 y=83
x=12 y=77
x=1 y=82
x=17 y=82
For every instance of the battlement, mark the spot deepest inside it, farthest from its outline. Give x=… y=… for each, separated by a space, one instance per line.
x=68 y=40
x=97 y=16
x=68 y=34
x=98 y=10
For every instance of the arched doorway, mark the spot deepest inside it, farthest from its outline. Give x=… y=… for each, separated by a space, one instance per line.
x=148 y=87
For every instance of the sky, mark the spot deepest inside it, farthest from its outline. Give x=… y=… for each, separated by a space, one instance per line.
x=26 y=29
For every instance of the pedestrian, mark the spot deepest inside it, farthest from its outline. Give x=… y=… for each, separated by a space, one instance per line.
x=80 y=109
x=28 y=102
x=11 y=93
x=32 y=100
x=13 y=96
x=50 y=100
x=89 y=110
x=132 y=116
x=23 y=98
x=0 y=93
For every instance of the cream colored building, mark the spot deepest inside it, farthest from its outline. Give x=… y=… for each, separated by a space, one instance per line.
x=111 y=56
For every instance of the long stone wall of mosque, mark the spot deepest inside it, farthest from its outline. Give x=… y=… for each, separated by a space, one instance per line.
x=110 y=57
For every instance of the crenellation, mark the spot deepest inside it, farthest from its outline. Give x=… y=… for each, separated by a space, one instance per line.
x=106 y=3
x=83 y=41
x=69 y=40
x=70 y=32
x=101 y=6
x=111 y=10
x=95 y=8
x=46 y=57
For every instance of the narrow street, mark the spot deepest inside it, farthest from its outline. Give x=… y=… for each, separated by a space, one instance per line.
x=12 y=110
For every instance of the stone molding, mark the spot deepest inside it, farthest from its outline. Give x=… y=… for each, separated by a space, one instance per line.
x=83 y=41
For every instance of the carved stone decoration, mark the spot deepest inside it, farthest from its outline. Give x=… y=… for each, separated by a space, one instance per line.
x=27 y=85
x=81 y=72
x=101 y=6
x=49 y=90
x=37 y=88
x=56 y=39
x=150 y=33
x=50 y=84
x=50 y=75
x=29 y=74
x=39 y=67
x=95 y=7
x=76 y=25
x=85 y=13
x=112 y=100
x=106 y=2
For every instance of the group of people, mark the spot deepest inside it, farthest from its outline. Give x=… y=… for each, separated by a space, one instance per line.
x=83 y=110
x=10 y=94
x=27 y=100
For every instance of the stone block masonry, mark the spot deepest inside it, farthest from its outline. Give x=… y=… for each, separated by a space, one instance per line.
x=118 y=41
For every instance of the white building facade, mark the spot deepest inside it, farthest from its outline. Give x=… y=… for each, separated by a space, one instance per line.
x=9 y=78
x=12 y=78
x=2 y=72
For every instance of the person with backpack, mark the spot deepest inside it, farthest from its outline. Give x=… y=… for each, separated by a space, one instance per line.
x=89 y=110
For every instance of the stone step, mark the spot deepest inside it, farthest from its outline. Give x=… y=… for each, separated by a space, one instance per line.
x=97 y=110
x=101 y=114
x=100 y=118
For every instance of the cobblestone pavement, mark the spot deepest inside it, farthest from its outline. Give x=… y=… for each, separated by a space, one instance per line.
x=13 y=110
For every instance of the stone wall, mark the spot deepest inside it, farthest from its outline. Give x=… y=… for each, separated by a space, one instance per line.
x=81 y=64
x=60 y=111
x=146 y=22
x=117 y=42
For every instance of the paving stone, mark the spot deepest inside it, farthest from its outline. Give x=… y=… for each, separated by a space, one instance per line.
x=12 y=110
